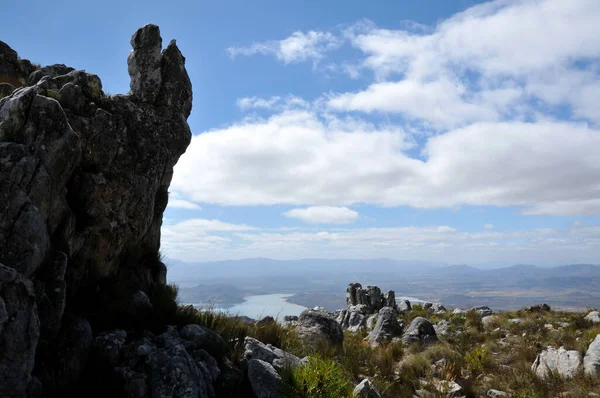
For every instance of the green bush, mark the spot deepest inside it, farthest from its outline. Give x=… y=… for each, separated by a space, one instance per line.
x=319 y=378
x=478 y=359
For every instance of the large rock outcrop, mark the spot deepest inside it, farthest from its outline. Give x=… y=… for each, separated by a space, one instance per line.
x=317 y=326
x=591 y=360
x=84 y=182
x=420 y=330
x=362 y=302
x=387 y=327
x=565 y=363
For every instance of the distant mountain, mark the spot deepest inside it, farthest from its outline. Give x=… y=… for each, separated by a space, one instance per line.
x=219 y=295
x=310 y=267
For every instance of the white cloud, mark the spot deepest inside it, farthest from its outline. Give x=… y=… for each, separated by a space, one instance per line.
x=323 y=215
x=298 y=47
x=477 y=93
x=182 y=204
x=435 y=243
x=488 y=226
x=299 y=158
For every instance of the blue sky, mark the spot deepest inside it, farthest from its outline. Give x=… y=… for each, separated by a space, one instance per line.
x=455 y=131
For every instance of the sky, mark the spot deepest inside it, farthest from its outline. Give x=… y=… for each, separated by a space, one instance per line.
x=454 y=131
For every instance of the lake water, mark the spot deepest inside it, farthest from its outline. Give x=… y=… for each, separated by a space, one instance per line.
x=275 y=305
x=260 y=306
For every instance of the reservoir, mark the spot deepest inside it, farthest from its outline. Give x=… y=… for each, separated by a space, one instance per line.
x=260 y=306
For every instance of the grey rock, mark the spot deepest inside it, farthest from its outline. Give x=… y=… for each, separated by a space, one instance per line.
x=515 y=320
x=51 y=296
x=371 y=321
x=108 y=347
x=488 y=320
x=442 y=328
x=314 y=326
x=254 y=349
x=404 y=306
x=437 y=308
x=562 y=362
x=144 y=63
x=134 y=384
x=356 y=321
x=290 y=318
x=390 y=299
x=482 y=311
x=205 y=339
x=173 y=373
x=386 y=328
x=365 y=389
x=427 y=305
x=591 y=360
x=538 y=308
x=207 y=364
x=20 y=331
x=140 y=303
x=420 y=330
x=458 y=312
x=264 y=379
x=491 y=393
x=593 y=316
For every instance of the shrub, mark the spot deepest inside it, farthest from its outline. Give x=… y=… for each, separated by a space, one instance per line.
x=319 y=378
x=478 y=359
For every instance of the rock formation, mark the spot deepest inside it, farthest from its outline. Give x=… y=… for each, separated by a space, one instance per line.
x=84 y=182
x=314 y=326
x=364 y=302
x=387 y=327
x=420 y=330
x=591 y=360
x=365 y=389
x=565 y=363
x=593 y=316
x=370 y=296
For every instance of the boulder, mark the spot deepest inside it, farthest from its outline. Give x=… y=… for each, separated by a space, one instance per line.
x=538 y=308
x=314 y=326
x=491 y=393
x=437 y=308
x=404 y=306
x=591 y=360
x=19 y=332
x=562 y=362
x=365 y=389
x=173 y=373
x=108 y=347
x=386 y=328
x=204 y=338
x=419 y=331
x=442 y=328
x=254 y=349
x=488 y=320
x=459 y=312
x=593 y=316
x=482 y=311
x=264 y=379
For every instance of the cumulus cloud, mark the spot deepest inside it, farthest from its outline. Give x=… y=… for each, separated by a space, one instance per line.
x=488 y=226
x=467 y=112
x=323 y=215
x=298 y=47
x=299 y=158
x=182 y=204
